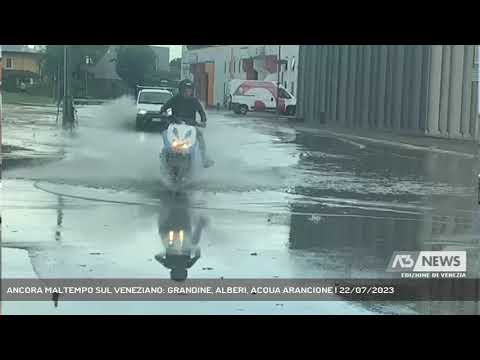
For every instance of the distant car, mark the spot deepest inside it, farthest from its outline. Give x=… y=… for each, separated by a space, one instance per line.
x=149 y=105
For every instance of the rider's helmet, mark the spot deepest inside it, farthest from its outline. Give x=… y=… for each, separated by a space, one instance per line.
x=184 y=85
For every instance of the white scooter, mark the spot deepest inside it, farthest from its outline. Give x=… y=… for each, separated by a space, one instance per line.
x=180 y=155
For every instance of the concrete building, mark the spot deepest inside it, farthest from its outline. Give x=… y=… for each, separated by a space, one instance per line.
x=1 y=110
x=420 y=89
x=477 y=75
x=211 y=67
x=1 y=65
x=162 y=58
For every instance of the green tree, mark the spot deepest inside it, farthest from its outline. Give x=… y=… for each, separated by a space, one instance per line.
x=51 y=61
x=135 y=63
x=80 y=56
x=53 y=57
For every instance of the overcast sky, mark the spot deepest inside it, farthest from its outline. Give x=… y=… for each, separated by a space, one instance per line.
x=175 y=51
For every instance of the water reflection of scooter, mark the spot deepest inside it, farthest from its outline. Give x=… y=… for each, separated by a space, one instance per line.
x=180 y=237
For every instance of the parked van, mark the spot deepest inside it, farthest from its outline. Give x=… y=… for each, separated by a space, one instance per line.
x=256 y=95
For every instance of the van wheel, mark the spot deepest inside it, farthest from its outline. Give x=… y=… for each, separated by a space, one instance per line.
x=243 y=109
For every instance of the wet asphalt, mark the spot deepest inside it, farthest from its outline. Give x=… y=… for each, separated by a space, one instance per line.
x=278 y=203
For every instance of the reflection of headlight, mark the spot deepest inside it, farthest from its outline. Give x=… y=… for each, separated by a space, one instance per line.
x=175 y=237
x=142 y=112
x=181 y=145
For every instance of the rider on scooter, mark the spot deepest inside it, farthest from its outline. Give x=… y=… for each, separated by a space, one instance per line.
x=185 y=106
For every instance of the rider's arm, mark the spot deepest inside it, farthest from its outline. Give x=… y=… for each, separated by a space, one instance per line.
x=167 y=105
x=199 y=109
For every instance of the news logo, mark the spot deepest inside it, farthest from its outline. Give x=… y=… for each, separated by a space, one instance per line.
x=426 y=264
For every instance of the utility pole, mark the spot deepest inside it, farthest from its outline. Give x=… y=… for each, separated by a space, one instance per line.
x=59 y=86
x=54 y=85
x=279 y=64
x=88 y=61
x=67 y=91
x=64 y=85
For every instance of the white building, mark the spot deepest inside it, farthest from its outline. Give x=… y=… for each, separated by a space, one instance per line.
x=211 y=67
x=162 y=58
x=477 y=75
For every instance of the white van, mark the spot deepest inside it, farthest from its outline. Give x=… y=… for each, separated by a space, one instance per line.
x=256 y=95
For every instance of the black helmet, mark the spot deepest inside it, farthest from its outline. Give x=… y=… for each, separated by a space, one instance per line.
x=184 y=84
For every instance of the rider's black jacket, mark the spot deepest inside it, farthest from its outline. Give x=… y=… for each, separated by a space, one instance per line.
x=185 y=108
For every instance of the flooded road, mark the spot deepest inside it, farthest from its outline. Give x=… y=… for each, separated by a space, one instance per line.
x=278 y=203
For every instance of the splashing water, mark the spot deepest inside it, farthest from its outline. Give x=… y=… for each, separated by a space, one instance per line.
x=107 y=152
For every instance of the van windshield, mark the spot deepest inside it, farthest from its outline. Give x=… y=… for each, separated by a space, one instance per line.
x=153 y=97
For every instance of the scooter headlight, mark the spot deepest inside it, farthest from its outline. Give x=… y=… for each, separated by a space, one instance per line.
x=142 y=112
x=181 y=145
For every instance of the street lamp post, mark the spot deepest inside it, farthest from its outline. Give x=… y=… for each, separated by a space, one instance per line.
x=64 y=119
x=279 y=64
x=67 y=93
x=87 y=62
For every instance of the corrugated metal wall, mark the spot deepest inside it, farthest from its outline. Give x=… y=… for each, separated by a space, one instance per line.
x=428 y=89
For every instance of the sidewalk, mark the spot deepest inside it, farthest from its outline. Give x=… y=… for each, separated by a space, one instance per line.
x=30 y=136
x=463 y=148
x=362 y=137
x=10 y=98
x=26 y=99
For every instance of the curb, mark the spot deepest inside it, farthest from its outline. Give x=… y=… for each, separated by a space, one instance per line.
x=76 y=102
x=29 y=104
x=273 y=119
x=10 y=163
x=89 y=102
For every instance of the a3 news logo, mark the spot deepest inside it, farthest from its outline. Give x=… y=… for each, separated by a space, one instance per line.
x=428 y=261
x=404 y=261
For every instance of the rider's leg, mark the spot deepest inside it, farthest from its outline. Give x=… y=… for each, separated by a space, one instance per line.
x=203 y=148
x=202 y=145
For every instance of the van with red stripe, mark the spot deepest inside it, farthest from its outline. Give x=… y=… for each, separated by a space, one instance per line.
x=256 y=95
